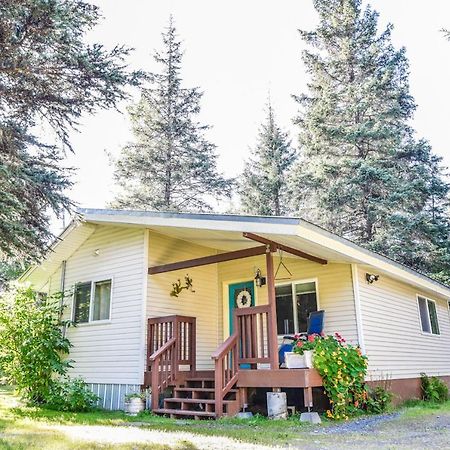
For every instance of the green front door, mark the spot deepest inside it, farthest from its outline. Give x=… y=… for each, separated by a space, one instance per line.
x=240 y=295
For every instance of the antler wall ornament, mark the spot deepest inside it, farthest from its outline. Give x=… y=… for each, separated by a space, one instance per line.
x=177 y=287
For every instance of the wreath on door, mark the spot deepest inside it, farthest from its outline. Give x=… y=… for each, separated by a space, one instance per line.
x=244 y=299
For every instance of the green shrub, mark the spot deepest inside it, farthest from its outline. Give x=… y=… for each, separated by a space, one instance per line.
x=70 y=395
x=378 y=400
x=33 y=347
x=433 y=389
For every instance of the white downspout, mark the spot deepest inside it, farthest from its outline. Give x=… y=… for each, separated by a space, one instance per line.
x=356 y=296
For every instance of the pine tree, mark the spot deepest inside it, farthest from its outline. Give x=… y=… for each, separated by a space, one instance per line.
x=49 y=77
x=170 y=165
x=361 y=172
x=263 y=184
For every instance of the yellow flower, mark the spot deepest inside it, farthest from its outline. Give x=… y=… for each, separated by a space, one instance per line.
x=325 y=370
x=339 y=362
x=329 y=414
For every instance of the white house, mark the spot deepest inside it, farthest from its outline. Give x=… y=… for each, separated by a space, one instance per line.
x=211 y=344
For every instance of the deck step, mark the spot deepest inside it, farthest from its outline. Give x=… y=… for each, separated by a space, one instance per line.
x=209 y=401
x=193 y=389
x=182 y=412
x=200 y=379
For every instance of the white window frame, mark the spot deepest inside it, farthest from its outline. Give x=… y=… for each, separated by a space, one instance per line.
x=427 y=299
x=294 y=304
x=93 y=281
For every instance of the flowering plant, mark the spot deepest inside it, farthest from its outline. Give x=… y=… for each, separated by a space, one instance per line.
x=303 y=343
x=343 y=369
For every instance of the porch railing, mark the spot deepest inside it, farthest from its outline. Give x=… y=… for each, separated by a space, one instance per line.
x=253 y=327
x=226 y=371
x=171 y=343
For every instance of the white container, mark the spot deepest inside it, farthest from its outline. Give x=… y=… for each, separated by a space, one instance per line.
x=296 y=361
x=277 y=405
x=134 y=406
x=308 y=354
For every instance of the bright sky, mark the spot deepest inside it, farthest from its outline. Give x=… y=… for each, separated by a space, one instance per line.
x=235 y=51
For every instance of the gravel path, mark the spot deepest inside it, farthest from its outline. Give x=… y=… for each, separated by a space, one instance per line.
x=388 y=431
x=363 y=425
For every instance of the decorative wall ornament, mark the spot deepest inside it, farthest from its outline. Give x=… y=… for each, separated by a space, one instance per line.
x=177 y=287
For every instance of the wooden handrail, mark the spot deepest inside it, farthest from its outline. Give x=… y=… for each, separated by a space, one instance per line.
x=162 y=349
x=224 y=347
x=226 y=372
x=252 y=310
x=252 y=326
x=170 y=344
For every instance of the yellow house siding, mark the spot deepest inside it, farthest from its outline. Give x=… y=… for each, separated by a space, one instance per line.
x=201 y=304
x=109 y=352
x=335 y=289
x=393 y=336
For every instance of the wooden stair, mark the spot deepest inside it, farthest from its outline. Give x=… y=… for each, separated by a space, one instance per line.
x=194 y=398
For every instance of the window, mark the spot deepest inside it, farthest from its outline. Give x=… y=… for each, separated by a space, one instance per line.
x=295 y=301
x=428 y=315
x=92 y=301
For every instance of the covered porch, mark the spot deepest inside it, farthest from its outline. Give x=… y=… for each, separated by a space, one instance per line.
x=247 y=358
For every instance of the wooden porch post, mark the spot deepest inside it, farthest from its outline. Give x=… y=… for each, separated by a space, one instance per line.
x=273 y=338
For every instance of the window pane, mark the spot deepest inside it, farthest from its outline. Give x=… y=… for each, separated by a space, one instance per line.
x=306 y=299
x=424 y=319
x=102 y=300
x=305 y=288
x=433 y=317
x=82 y=300
x=285 y=314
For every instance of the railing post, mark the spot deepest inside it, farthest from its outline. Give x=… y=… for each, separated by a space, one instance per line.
x=272 y=322
x=193 y=344
x=155 y=384
x=218 y=383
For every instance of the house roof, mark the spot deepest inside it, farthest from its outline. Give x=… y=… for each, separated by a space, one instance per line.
x=224 y=232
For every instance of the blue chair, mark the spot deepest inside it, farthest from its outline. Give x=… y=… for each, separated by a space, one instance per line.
x=315 y=322
x=315 y=326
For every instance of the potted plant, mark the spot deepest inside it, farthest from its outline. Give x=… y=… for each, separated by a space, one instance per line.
x=135 y=403
x=302 y=355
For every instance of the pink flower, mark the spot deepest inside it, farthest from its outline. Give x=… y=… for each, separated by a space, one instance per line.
x=311 y=338
x=299 y=344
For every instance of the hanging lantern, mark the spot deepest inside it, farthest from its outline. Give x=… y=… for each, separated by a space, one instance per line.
x=259 y=280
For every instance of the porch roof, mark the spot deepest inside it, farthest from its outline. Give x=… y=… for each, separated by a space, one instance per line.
x=224 y=232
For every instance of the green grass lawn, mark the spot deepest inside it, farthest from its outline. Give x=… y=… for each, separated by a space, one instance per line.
x=23 y=427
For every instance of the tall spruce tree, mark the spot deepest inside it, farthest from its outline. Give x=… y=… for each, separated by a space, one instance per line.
x=361 y=172
x=263 y=184
x=170 y=165
x=49 y=77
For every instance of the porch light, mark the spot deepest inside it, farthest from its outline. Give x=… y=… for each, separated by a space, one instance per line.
x=259 y=280
x=371 y=277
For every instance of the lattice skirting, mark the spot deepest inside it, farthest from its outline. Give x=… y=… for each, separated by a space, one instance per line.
x=112 y=396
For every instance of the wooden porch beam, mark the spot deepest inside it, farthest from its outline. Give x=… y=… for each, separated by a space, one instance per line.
x=285 y=248
x=213 y=259
x=272 y=317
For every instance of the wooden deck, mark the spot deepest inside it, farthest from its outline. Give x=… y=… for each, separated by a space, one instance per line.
x=222 y=391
